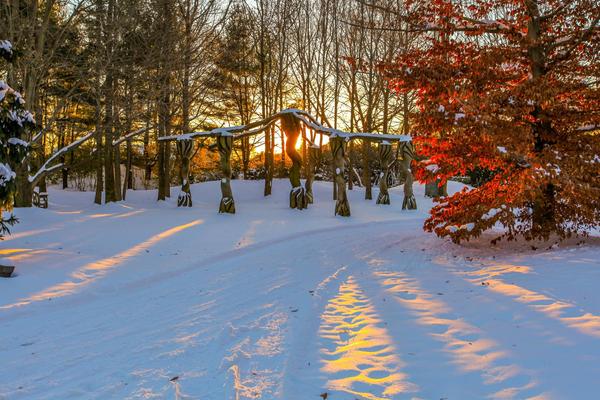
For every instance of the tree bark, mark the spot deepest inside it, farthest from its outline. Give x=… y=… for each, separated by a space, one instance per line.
x=408 y=152
x=338 y=148
x=291 y=127
x=128 y=182
x=185 y=149
x=366 y=155
x=310 y=173
x=24 y=193
x=544 y=207
x=268 y=162
x=385 y=153
x=225 y=144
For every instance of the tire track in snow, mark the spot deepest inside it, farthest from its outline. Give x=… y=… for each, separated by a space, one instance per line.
x=90 y=272
x=564 y=311
x=358 y=355
x=469 y=348
x=310 y=236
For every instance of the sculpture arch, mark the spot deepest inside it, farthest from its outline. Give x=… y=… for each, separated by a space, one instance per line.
x=292 y=122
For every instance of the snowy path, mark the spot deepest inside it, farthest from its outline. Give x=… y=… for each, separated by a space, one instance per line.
x=138 y=300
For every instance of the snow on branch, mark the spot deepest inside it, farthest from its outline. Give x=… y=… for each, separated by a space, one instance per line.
x=46 y=168
x=6 y=49
x=130 y=135
x=308 y=120
x=331 y=132
x=588 y=128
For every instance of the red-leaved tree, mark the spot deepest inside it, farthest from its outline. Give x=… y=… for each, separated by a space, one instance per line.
x=511 y=87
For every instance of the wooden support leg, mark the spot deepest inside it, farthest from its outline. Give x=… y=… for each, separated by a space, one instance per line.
x=407 y=157
x=184 y=148
x=385 y=152
x=310 y=173
x=225 y=144
x=291 y=126
x=338 y=149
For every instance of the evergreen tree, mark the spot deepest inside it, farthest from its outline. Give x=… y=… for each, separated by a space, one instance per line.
x=15 y=121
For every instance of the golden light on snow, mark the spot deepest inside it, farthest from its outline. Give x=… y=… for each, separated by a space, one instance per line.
x=90 y=272
x=19 y=255
x=565 y=312
x=469 y=349
x=361 y=358
x=6 y=252
x=101 y=215
x=20 y=235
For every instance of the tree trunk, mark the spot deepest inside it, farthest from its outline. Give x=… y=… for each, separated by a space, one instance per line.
x=167 y=180
x=24 y=193
x=65 y=177
x=544 y=207
x=366 y=154
x=268 y=162
x=99 y=175
x=117 y=169
x=147 y=162
x=385 y=153
x=128 y=182
x=161 y=171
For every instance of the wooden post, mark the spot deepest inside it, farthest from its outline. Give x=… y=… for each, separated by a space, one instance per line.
x=184 y=149
x=385 y=152
x=338 y=150
x=225 y=144
x=310 y=172
x=128 y=182
x=408 y=153
x=334 y=192
x=290 y=125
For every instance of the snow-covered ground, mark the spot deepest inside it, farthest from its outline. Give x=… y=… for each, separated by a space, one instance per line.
x=141 y=300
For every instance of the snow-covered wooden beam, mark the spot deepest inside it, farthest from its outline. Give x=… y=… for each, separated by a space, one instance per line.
x=48 y=168
x=308 y=120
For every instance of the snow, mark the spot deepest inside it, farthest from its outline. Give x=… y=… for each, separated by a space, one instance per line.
x=48 y=167
x=563 y=39
x=589 y=127
x=139 y=300
x=17 y=142
x=6 y=174
x=433 y=168
x=491 y=213
x=6 y=46
x=3 y=90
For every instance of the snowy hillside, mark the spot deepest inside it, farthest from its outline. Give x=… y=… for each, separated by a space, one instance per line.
x=141 y=300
